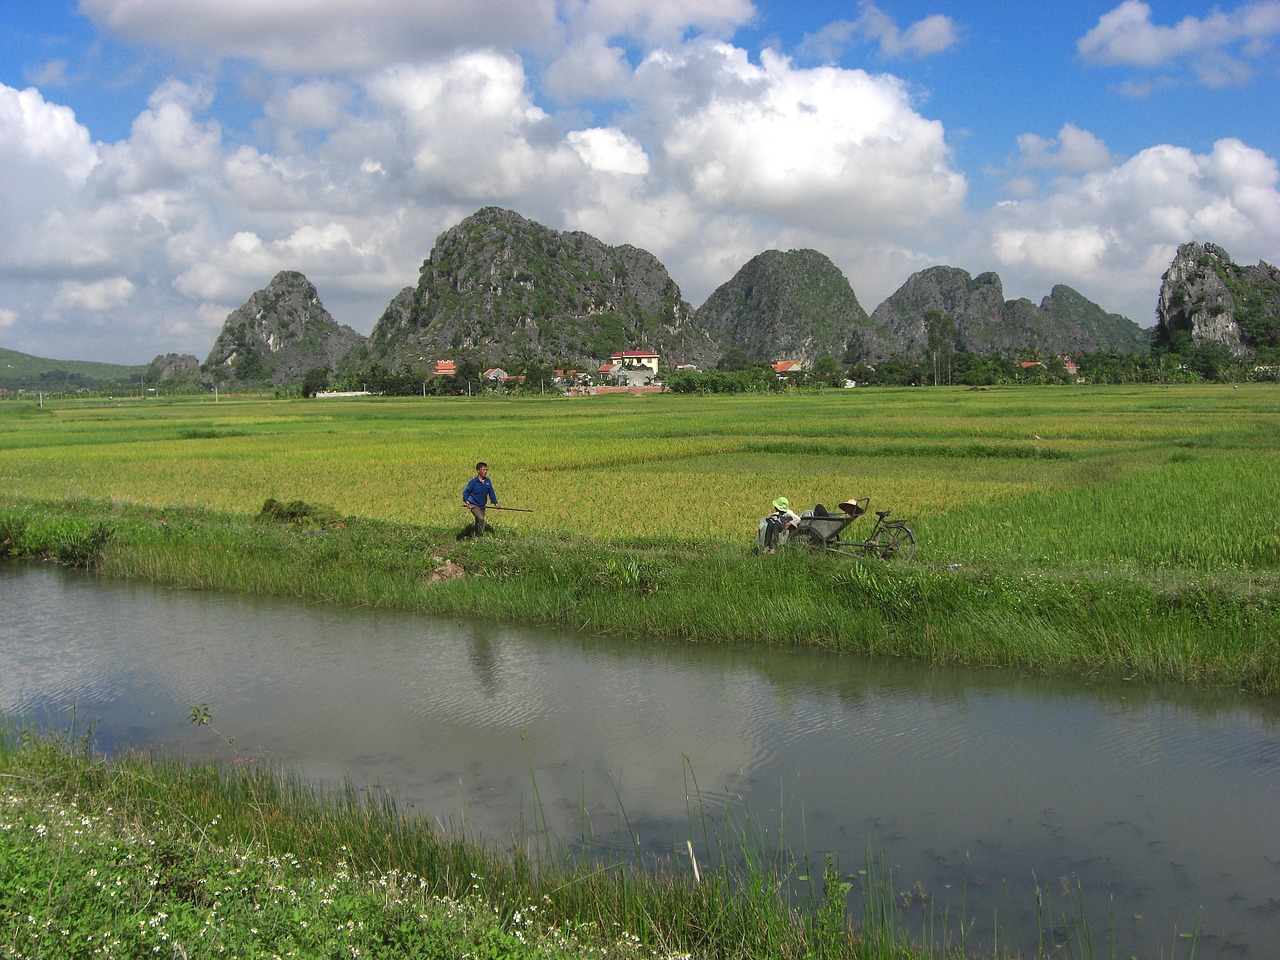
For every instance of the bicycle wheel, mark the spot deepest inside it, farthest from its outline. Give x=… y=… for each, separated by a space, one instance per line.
x=895 y=541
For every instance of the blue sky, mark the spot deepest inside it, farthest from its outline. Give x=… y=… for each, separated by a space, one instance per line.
x=161 y=160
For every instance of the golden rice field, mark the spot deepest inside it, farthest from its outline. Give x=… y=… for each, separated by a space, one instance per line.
x=1021 y=472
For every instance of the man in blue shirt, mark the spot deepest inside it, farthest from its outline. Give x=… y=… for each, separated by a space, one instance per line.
x=477 y=494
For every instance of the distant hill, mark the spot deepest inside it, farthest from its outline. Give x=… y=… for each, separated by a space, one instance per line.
x=795 y=305
x=1206 y=298
x=278 y=334
x=1064 y=322
x=20 y=371
x=502 y=286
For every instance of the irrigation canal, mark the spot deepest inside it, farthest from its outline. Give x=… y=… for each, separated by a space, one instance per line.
x=1159 y=809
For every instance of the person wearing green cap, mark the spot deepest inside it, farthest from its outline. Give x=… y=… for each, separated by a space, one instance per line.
x=782 y=518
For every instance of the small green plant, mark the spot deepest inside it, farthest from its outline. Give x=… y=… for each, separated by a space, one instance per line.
x=201 y=717
x=300 y=513
x=630 y=576
x=80 y=547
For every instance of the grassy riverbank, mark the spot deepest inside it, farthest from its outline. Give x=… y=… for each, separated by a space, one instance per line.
x=1202 y=628
x=1125 y=531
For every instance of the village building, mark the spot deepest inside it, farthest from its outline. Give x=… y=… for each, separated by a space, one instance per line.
x=636 y=358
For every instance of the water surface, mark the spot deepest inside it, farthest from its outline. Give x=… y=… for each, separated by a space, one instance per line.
x=1161 y=806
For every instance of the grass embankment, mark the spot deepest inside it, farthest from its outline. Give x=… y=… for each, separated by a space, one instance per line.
x=147 y=856
x=1199 y=628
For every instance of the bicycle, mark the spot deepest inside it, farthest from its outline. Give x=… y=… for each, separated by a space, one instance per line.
x=888 y=540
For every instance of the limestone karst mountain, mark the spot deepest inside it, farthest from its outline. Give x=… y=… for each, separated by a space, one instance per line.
x=278 y=334
x=499 y=284
x=1205 y=298
x=795 y=305
x=1063 y=322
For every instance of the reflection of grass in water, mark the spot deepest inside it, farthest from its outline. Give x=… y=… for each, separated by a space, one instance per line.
x=204 y=859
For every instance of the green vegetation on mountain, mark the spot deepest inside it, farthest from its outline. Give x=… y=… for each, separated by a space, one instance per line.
x=986 y=323
x=278 y=334
x=795 y=305
x=1207 y=301
x=508 y=288
x=499 y=290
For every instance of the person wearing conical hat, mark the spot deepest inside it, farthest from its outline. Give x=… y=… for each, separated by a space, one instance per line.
x=783 y=518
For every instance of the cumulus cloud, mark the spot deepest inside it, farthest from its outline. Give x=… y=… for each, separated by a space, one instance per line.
x=323 y=36
x=390 y=121
x=98 y=296
x=1218 y=47
x=470 y=126
x=1072 y=150
x=1111 y=233
x=590 y=66
x=313 y=105
x=46 y=158
x=925 y=37
x=827 y=147
x=167 y=144
x=610 y=151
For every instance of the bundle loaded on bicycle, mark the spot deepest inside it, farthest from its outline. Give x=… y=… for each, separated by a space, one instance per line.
x=821 y=529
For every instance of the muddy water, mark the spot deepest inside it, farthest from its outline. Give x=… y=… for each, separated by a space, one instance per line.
x=1159 y=809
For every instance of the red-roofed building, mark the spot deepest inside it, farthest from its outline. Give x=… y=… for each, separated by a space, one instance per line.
x=446 y=368
x=783 y=367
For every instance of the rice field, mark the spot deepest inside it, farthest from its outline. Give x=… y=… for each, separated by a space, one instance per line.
x=1100 y=478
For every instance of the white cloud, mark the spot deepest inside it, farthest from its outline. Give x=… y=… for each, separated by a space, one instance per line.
x=469 y=126
x=657 y=22
x=166 y=145
x=1217 y=46
x=1073 y=150
x=589 y=67
x=51 y=74
x=41 y=140
x=315 y=105
x=825 y=147
x=1111 y=233
x=609 y=151
x=323 y=36
x=46 y=159
x=411 y=114
x=98 y=296
x=931 y=35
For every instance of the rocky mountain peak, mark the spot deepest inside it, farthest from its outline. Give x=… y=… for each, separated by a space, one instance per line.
x=794 y=305
x=1206 y=298
x=1063 y=322
x=500 y=282
x=278 y=334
